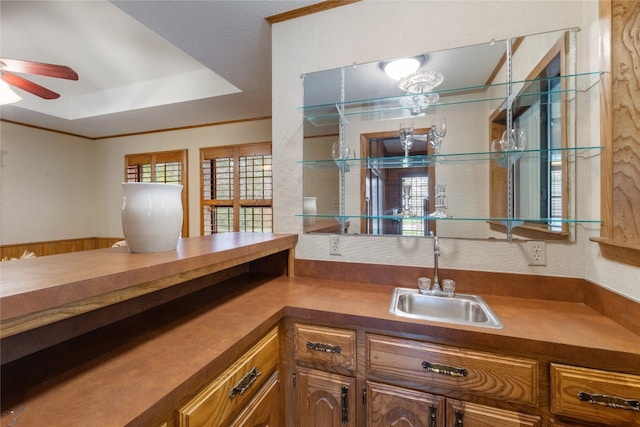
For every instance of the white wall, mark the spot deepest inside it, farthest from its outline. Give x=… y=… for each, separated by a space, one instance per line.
x=56 y=186
x=352 y=34
x=47 y=185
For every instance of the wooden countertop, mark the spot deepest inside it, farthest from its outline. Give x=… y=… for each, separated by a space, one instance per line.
x=38 y=291
x=129 y=373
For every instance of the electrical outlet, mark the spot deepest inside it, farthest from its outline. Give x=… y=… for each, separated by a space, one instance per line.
x=334 y=244
x=536 y=252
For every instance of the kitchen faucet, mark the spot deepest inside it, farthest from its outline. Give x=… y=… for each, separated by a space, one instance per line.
x=436 y=254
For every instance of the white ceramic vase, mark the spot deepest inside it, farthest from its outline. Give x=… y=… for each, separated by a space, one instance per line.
x=151 y=216
x=309 y=207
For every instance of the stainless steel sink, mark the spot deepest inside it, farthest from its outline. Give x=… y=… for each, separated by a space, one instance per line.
x=461 y=309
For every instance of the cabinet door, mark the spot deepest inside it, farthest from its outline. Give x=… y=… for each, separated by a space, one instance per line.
x=324 y=399
x=265 y=409
x=464 y=414
x=389 y=406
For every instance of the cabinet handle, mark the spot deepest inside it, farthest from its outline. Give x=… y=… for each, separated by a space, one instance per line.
x=445 y=370
x=458 y=421
x=245 y=383
x=433 y=416
x=327 y=348
x=610 y=401
x=345 y=405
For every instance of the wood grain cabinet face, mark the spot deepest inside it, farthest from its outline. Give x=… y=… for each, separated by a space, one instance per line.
x=446 y=368
x=331 y=347
x=325 y=399
x=593 y=395
x=232 y=390
x=464 y=414
x=262 y=410
x=390 y=406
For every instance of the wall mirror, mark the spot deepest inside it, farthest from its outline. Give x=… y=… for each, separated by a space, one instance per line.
x=356 y=171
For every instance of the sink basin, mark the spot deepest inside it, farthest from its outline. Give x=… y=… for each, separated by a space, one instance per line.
x=461 y=309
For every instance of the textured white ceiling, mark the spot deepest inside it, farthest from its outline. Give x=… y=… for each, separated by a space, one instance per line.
x=142 y=65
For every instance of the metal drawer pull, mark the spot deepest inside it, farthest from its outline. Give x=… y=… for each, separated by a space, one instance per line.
x=445 y=370
x=459 y=416
x=345 y=405
x=327 y=348
x=245 y=383
x=610 y=401
x=433 y=416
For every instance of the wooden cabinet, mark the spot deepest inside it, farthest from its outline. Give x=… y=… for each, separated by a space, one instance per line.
x=595 y=395
x=233 y=390
x=263 y=409
x=620 y=132
x=325 y=387
x=330 y=347
x=406 y=382
x=325 y=399
x=447 y=368
x=464 y=414
x=390 y=406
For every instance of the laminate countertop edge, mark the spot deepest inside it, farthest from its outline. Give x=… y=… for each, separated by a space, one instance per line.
x=38 y=291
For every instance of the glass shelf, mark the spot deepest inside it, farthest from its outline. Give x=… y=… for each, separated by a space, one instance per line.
x=398 y=162
x=346 y=217
x=389 y=107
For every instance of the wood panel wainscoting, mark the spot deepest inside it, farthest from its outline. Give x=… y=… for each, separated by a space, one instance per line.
x=621 y=310
x=53 y=247
x=620 y=131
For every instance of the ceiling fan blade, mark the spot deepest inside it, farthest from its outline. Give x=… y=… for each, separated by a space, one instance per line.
x=39 y=68
x=31 y=87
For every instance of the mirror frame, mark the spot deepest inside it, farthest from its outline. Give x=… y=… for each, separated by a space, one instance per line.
x=498 y=176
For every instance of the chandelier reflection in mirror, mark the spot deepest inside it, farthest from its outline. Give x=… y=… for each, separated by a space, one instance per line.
x=420 y=85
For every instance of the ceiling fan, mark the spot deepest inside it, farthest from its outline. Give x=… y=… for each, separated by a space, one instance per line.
x=10 y=66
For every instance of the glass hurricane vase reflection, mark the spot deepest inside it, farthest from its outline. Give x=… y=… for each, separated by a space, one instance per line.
x=340 y=153
x=441 y=202
x=508 y=149
x=406 y=200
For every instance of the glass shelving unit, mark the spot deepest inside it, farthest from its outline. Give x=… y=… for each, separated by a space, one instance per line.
x=397 y=162
x=502 y=97
x=389 y=108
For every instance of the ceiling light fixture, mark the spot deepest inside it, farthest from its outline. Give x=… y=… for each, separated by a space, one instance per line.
x=400 y=68
x=420 y=85
x=7 y=95
x=421 y=81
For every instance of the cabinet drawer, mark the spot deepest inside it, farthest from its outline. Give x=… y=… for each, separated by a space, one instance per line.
x=448 y=368
x=264 y=409
x=233 y=389
x=594 y=395
x=329 y=346
x=470 y=414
